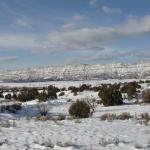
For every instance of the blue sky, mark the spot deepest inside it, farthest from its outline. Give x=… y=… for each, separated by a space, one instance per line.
x=58 y=32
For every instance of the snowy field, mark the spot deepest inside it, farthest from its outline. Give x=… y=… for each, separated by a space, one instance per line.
x=66 y=84
x=22 y=131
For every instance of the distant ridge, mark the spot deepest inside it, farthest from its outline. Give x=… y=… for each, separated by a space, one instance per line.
x=138 y=70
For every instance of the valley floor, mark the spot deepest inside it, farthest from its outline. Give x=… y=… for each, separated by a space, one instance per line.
x=22 y=131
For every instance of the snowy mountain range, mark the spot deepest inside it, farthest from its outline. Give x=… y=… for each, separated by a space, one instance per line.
x=140 y=70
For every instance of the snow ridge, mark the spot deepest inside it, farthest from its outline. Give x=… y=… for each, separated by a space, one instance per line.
x=140 y=70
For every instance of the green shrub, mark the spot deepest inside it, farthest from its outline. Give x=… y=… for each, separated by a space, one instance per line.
x=73 y=89
x=146 y=96
x=14 y=96
x=8 y=96
x=52 y=88
x=42 y=97
x=1 y=95
x=147 y=81
x=52 y=95
x=84 y=87
x=27 y=94
x=79 y=109
x=62 y=94
x=110 y=95
x=131 y=89
x=52 y=92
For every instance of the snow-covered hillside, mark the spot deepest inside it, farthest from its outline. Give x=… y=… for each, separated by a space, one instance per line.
x=140 y=70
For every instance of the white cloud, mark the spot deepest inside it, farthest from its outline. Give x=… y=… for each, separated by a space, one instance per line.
x=111 y=11
x=83 y=38
x=108 y=10
x=18 y=41
x=86 y=38
x=93 y=2
x=79 y=17
x=108 y=54
x=76 y=21
x=8 y=59
x=22 y=22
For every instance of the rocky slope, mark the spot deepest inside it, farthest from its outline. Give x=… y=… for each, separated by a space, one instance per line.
x=139 y=70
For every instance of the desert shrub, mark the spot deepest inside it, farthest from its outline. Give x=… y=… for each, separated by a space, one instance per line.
x=22 y=97
x=110 y=95
x=42 y=97
x=42 y=118
x=147 y=81
x=131 y=89
x=109 y=141
x=141 y=82
x=53 y=89
x=62 y=94
x=79 y=109
x=61 y=117
x=146 y=96
x=12 y=108
x=42 y=109
x=84 y=87
x=145 y=117
x=73 y=89
x=52 y=95
x=99 y=102
x=14 y=96
x=27 y=94
x=8 y=96
x=1 y=95
x=108 y=116
x=63 y=89
x=124 y=116
x=92 y=103
x=52 y=92
x=75 y=93
x=95 y=88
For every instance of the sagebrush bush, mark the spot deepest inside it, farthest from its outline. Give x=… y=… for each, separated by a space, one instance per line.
x=147 y=81
x=146 y=96
x=131 y=89
x=62 y=94
x=53 y=89
x=52 y=92
x=42 y=109
x=63 y=89
x=61 y=117
x=145 y=116
x=27 y=94
x=52 y=95
x=79 y=109
x=73 y=89
x=110 y=95
x=1 y=95
x=124 y=116
x=111 y=117
x=108 y=116
x=42 y=97
x=8 y=96
x=84 y=87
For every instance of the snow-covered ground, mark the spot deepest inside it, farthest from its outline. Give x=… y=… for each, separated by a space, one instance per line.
x=22 y=131
x=66 y=84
